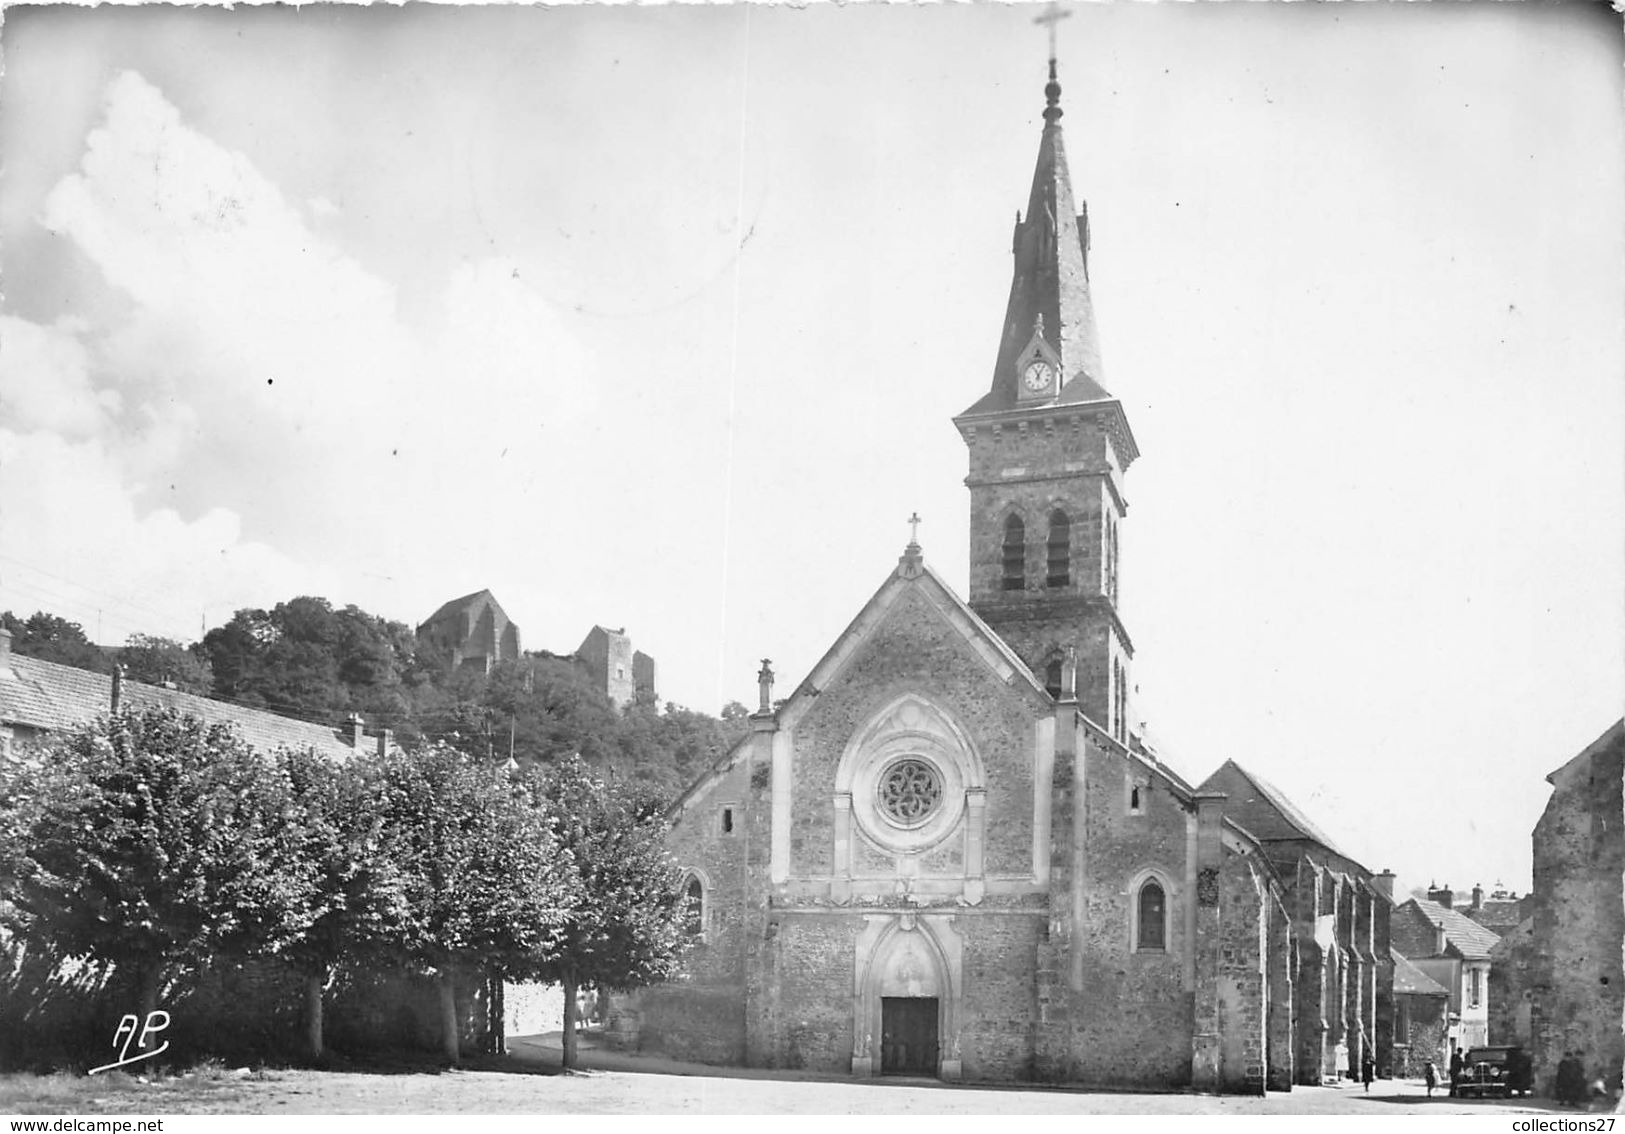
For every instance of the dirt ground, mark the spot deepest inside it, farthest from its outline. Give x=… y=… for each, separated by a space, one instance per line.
x=529 y=1081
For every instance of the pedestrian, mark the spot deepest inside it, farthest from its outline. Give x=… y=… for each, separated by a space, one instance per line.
x=1430 y=1074
x=1368 y=1070
x=1455 y=1069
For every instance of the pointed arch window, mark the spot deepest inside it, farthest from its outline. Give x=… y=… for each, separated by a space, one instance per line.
x=1151 y=918
x=694 y=907
x=1015 y=554
x=1060 y=549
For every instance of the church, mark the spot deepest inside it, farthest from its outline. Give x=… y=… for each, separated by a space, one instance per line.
x=946 y=854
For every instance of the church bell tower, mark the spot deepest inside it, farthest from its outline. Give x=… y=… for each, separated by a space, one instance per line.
x=1048 y=448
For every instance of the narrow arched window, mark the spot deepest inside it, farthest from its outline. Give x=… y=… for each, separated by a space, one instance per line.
x=694 y=908
x=1153 y=917
x=1052 y=678
x=1111 y=559
x=1015 y=554
x=1060 y=549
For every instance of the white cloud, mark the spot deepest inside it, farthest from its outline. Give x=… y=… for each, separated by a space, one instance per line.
x=264 y=389
x=45 y=380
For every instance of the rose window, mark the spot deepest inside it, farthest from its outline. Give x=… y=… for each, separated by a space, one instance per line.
x=910 y=791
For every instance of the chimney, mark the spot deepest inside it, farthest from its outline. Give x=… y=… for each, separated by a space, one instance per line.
x=1444 y=895
x=764 y=686
x=1383 y=883
x=1478 y=896
x=357 y=727
x=386 y=739
x=118 y=689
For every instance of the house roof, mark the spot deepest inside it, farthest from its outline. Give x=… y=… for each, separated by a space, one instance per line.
x=1276 y=817
x=1461 y=932
x=1410 y=979
x=49 y=697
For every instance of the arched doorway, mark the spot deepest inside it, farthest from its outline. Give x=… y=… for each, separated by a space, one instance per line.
x=906 y=1009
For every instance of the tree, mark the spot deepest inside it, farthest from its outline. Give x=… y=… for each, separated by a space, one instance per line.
x=485 y=882
x=357 y=900
x=625 y=927
x=160 y=660
x=305 y=658
x=49 y=638
x=154 y=842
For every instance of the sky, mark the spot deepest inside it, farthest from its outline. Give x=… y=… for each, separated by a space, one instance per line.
x=656 y=317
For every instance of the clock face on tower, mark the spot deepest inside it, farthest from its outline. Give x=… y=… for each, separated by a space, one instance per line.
x=1036 y=375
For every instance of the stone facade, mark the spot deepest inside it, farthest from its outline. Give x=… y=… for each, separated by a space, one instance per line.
x=624 y=674
x=1515 y=967
x=1069 y=909
x=947 y=853
x=1340 y=916
x=1577 y=987
x=475 y=630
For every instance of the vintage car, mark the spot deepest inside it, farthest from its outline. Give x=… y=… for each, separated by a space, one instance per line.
x=1495 y=1072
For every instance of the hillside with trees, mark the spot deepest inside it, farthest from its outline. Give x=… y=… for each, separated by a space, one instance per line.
x=308 y=659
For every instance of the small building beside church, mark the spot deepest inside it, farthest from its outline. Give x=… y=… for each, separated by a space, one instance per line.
x=946 y=854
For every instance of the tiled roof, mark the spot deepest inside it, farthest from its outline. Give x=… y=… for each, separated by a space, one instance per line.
x=1409 y=978
x=43 y=695
x=1293 y=824
x=1470 y=939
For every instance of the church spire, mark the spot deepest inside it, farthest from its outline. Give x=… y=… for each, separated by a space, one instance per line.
x=1049 y=350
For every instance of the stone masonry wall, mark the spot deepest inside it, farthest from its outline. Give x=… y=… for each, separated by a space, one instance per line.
x=701 y=1016
x=813 y=954
x=915 y=651
x=1515 y=973
x=1120 y=983
x=996 y=1018
x=1579 y=849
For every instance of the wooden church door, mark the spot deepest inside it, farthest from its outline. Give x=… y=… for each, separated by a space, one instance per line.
x=908 y=1035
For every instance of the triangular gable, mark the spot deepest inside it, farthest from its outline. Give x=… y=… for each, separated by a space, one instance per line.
x=913 y=575
x=458 y=606
x=1289 y=822
x=1613 y=734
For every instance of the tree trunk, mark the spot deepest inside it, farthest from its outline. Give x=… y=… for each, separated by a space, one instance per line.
x=150 y=982
x=569 y=982
x=314 y=982
x=451 y=1046
x=497 y=1013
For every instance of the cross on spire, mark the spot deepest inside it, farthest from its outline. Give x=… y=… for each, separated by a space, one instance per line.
x=1052 y=16
x=914 y=528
